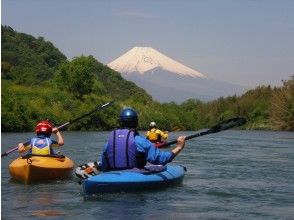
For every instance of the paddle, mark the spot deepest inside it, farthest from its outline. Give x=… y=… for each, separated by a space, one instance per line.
x=225 y=125
x=98 y=108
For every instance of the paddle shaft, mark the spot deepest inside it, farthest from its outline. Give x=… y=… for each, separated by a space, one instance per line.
x=233 y=122
x=187 y=138
x=98 y=108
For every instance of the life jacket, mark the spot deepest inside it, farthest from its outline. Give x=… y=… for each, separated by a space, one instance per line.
x=153 y=136
x=41 y=146
x=121 y=150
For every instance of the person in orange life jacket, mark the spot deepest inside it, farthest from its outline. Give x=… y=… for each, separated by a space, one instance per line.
x=42 y=144
x=126 y=149
x=155 y=135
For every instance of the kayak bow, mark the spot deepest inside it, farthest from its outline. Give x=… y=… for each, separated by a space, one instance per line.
x=150 y=178
x=33 y=169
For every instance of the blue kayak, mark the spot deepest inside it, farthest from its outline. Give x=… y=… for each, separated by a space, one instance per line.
x=151 y=177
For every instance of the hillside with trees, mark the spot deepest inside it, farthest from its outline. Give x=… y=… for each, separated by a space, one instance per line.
x=39 y=82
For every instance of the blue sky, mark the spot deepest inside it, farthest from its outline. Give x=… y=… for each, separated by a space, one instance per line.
x=247 y=42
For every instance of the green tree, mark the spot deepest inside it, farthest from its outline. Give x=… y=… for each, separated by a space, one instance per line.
x=27 y=60
x=282 y=107
x=77 y=76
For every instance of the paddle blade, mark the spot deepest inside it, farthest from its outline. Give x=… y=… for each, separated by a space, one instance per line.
x=228 y=124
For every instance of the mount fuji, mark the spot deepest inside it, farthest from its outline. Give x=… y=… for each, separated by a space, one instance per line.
x=168 y=80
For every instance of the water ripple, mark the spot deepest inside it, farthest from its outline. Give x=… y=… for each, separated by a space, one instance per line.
x=230 y=175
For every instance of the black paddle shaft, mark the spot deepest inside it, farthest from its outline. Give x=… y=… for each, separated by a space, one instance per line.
x=225 y=125
x=98 y=108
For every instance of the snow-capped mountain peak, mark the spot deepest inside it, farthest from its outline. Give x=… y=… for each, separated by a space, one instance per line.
x=146 y=59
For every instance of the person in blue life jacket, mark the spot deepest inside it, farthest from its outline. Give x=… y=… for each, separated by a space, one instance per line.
x=42 y=143
x=126 y=149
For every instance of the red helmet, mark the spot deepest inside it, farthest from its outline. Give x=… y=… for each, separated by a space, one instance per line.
x=44 y=127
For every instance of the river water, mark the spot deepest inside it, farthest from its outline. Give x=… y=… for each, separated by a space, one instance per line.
x=230 y=175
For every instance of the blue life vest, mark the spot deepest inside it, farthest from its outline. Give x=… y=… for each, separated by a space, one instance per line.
x=121 y=150
x=41 y=146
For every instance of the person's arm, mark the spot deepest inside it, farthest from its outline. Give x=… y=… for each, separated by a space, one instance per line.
x=180 y=145
x=59 y=136
x=153 y=154
x=23 y=147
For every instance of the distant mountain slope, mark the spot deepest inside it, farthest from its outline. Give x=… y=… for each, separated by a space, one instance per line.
x=38 y=82
x=30 y=61
x=165 y=86
x=146 y=59
x=168 y=80
x=33 y=87
x=26 y=59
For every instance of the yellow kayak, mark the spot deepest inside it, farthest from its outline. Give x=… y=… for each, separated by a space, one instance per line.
x=32 y=169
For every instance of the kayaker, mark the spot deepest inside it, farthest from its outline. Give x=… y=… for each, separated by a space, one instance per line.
x=126 y=149
x=42 y=143
x=155 y=135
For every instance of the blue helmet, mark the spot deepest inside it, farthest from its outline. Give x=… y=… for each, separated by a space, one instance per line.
x=128 y=118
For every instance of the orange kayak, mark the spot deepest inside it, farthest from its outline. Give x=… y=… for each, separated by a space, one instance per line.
x=35 y=169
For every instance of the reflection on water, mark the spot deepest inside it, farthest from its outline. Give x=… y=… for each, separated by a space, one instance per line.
x=47 y=213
